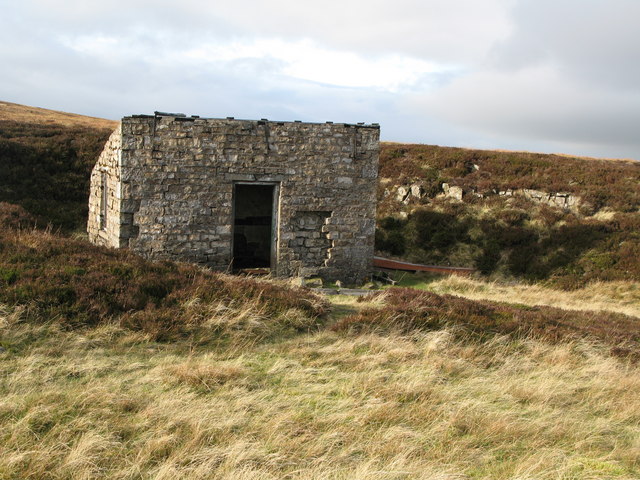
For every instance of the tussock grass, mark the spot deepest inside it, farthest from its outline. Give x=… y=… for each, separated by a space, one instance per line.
x=406 y=310
x=621 y=297
x=109 y=403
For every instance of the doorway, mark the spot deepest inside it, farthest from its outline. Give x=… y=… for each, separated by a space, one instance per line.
x=254 y=222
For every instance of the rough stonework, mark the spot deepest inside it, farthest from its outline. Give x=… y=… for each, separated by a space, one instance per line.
x=298 y=198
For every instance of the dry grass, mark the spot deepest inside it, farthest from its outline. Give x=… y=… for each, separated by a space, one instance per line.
x=109 y=403
x=42 y=116
x=620 y=297
x=405 y=310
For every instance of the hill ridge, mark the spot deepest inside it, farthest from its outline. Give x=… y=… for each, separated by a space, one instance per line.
x=16 y=112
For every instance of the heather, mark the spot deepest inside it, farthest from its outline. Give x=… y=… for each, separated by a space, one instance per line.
x=46 y=167
x=406 y=310
x=599 y=182
x=509 y=236
x=75 y=284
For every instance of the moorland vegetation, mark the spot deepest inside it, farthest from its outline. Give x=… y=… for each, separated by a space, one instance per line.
x=46 y=158
x=511 y=236
x=116 y=367
x=112 y=366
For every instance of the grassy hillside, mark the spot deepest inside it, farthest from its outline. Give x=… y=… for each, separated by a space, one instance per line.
x=496 y=228
x=46 y=158
x=107 y=402
x=116 y=367
x=620 y=297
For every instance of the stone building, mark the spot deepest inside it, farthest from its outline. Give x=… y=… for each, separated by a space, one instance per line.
x=297 y=198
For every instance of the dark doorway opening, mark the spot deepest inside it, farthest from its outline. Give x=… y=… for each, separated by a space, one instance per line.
x=253 y=226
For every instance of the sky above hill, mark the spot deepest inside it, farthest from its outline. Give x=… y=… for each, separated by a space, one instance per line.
x=539 y=75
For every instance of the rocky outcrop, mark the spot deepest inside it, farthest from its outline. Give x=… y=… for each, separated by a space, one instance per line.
x=558 y=199
x=562 y=200
x=405 y=193
x=452 y=191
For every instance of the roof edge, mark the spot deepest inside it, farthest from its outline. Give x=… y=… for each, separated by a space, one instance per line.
x=184 y=118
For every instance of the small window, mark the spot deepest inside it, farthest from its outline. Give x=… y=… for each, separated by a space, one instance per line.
x=103 y=201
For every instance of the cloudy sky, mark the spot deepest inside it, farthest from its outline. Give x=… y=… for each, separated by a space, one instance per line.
x=540 y=75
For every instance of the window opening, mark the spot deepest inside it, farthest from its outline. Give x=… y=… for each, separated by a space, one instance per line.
x=103 y=201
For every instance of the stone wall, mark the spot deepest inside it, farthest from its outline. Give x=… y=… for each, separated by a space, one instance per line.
x=176 y=184
x=104 y=223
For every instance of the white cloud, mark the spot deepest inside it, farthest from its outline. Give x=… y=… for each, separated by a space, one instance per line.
x=446 y=31
x=566 y=78
x=302 y=60
x=528 y=74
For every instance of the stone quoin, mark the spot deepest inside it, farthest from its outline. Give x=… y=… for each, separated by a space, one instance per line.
x=296 y=198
